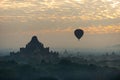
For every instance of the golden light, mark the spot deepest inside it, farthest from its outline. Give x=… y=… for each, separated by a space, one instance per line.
x=80 y=1
x=80 y=9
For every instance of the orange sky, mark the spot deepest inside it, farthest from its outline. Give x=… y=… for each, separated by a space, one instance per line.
x=54 y=22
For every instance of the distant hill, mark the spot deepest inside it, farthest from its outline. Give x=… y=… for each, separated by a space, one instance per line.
x=117 y=46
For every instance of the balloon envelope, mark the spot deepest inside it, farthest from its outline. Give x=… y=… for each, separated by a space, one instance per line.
x=78 y=33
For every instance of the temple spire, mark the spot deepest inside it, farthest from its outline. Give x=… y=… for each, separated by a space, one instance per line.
x=34 y=44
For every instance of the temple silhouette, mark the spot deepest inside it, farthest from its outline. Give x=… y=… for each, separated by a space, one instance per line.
x=35 y=52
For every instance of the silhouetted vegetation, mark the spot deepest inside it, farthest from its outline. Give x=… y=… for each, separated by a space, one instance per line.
x=66 y=71
x=34 y=62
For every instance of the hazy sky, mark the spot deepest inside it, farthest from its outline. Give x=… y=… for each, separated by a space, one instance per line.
x=54 y=22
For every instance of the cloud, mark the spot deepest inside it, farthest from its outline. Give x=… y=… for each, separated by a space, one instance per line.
x=70 y=30
x=15 y=4
x=68 y=12
x=83 y=9
x=102 y=29
x=62 y=15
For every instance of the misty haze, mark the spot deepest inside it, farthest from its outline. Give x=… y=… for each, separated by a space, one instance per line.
x=59 y=40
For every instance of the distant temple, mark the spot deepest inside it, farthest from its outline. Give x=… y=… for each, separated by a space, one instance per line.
x=34 y=45
x=34 y=52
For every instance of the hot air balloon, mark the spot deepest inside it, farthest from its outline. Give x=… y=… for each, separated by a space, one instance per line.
x=78 y=33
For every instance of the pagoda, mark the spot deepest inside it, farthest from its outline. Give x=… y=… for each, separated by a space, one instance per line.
x=35 y=52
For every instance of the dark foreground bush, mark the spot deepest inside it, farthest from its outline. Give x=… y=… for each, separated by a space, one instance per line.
x=47 y=78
